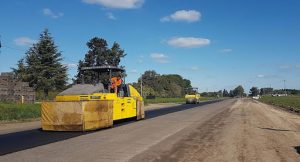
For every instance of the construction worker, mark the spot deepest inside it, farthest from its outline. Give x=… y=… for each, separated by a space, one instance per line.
x=115 y=83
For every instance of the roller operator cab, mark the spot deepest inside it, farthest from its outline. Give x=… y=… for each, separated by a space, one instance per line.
x=93 y=106
x=192 y=96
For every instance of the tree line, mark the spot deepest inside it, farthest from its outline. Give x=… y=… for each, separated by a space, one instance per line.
x=236 y=92
x=166 y=85
x=254 y=91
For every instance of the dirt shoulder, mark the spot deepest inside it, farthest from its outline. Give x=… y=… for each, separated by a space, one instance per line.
x=16 y=126
x=246 y=131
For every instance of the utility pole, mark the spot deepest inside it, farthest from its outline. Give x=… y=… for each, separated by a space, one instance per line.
x=284 y=87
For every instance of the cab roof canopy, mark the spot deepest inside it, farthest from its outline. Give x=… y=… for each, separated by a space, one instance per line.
x=105 y=68
x=105 y=72
x=192 y=90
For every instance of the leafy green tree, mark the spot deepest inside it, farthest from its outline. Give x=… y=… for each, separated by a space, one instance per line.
x=225 y=93
x=150 y=78
x=99 y=54
x=254 y=91
x=238 y=91
x=171 y=85
x=212 y=94
x=20 y=71
x=295 y=92
x=43 y=68
x=231 y=94
x=115 y=55
x=187 y=83
x=33 y=67
x=204 y=94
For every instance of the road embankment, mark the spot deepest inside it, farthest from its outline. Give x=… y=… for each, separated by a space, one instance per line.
x=288 y=103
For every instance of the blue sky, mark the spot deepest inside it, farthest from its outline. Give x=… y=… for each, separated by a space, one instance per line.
x=216 y=44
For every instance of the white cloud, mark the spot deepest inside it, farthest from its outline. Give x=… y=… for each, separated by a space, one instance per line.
x=183 y=15
x=188 y=42
x=24 y=41
x=159 y=57
x=121 y=4
x=195 y=68
x=268 y=76
x=140 y=61
x=50 y=13
x=226 y=50
x=192 y=68
x=260 y=76
x=111 y=16
x=285 y=66
x=70 y=65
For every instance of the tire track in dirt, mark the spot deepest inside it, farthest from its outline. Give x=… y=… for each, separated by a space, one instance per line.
x=265 y=134
x=242 y=146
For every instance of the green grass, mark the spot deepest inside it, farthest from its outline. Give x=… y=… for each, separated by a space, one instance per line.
x=172 y=100
x=290 y=102
x=13 y=111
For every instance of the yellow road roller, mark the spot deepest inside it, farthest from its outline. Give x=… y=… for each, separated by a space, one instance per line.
x=86 y=107
x=192 y=96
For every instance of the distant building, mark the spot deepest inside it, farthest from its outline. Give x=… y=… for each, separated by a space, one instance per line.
x=12 y=90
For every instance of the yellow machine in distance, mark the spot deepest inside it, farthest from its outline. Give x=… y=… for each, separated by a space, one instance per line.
x=92 y=106
x=192 y=96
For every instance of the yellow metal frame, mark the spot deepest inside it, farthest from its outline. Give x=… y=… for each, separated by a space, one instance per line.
x=192 y=98
x=123 y=107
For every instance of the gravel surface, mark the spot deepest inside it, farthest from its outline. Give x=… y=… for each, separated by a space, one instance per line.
x=245 y=131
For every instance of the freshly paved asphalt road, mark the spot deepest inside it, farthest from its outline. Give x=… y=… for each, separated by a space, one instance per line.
x=27 y=139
